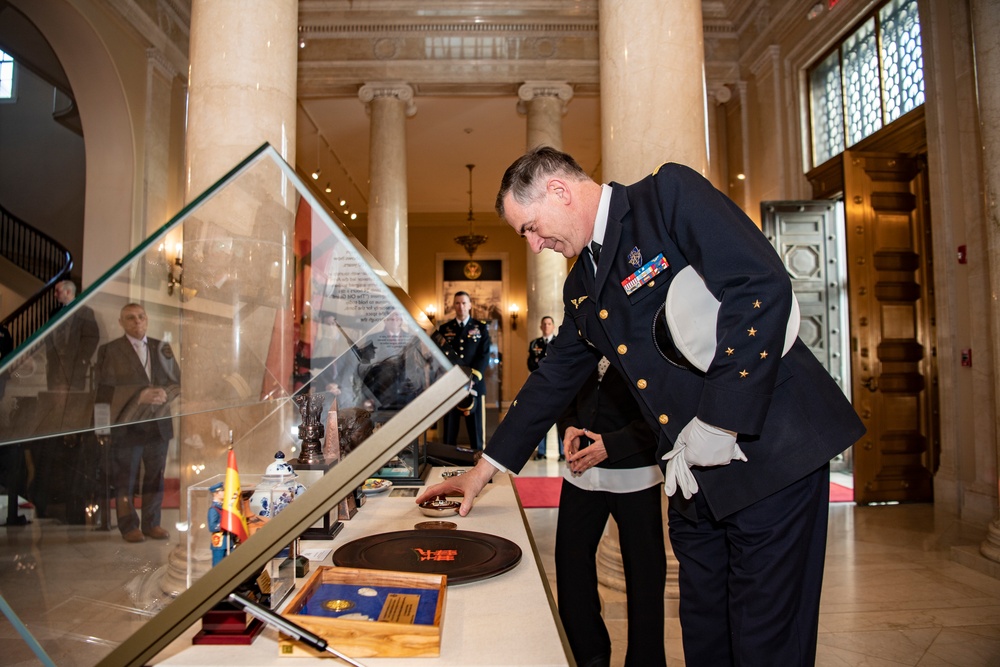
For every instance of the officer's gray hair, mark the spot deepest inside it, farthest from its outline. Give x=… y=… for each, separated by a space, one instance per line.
x=523 y=179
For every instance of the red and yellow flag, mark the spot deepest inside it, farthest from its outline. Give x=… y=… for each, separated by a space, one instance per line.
x=233 y=520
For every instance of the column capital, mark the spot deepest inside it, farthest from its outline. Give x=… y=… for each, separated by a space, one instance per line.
x=397 y=89
x=159 y=62
x=720 y=93
x=529 y=90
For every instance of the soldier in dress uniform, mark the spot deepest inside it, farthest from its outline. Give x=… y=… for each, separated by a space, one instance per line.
x=536 y=352
x=469 y=339
x=747 y=437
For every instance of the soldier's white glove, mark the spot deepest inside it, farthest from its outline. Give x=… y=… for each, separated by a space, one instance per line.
x=708 y=445
x=678 y=474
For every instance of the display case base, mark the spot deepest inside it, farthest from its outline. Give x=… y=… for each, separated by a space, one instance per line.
x=227 y=627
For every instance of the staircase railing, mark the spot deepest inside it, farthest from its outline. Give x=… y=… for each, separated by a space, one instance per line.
x=41 y=256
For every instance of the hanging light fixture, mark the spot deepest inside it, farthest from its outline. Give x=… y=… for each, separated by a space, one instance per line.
x=328 y=189
x=470 y=241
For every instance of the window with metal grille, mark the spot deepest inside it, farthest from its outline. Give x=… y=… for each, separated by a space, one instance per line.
x=869 y=79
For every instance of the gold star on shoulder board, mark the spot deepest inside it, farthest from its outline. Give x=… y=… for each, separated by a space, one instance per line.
x=756 y=304
x=752 y=331
x=729 y=351
x=744 y=373
x=763 y=355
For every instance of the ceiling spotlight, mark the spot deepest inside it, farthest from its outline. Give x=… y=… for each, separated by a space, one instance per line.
x=354 y=216
x=316 y=174
x=343 y=202
x=328 y=189
x=302 y=42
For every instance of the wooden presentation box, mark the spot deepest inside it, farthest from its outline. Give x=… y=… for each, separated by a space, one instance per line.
x=357 y=638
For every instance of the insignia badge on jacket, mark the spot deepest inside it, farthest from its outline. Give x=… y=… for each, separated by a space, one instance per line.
x=649 y=270
x=576 y=302
x=635 y=257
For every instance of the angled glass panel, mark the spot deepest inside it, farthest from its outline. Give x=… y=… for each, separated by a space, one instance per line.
x=117 y=417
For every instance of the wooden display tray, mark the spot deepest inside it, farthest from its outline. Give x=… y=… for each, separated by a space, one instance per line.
x=361 y=638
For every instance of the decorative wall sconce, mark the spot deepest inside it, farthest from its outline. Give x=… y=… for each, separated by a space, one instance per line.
x=513 y=311
x=431 y=311
x=175 y=270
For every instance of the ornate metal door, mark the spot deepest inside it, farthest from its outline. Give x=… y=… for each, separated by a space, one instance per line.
x=808 y=236
x=893 y=339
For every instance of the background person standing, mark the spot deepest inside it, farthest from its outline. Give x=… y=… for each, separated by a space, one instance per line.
x=536 y=352
x=69 y=350
x=612 y=471
x=138 y=376
x=469 y=339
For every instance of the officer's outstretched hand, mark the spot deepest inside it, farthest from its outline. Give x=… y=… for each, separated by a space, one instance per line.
x=708 y=445
x=468 y=485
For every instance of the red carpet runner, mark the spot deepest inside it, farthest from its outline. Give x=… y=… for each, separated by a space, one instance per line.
x=544 y=491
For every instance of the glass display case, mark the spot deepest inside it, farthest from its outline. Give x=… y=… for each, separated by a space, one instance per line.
x=252 y=295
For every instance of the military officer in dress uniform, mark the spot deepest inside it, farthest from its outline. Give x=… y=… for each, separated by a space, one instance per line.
x=748 y=439
x=536 y=352
x=469 y=339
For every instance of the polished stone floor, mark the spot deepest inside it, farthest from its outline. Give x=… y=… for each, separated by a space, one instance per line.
x=893 y=592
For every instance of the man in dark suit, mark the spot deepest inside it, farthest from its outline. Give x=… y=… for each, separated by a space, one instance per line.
x=469 y=339
x=138 y=377
x=748 y=440
x=612 y=471
x=69 y=349
x=536 y=352
x=63 y=465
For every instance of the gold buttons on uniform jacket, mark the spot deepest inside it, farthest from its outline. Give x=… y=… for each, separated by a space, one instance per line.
x=603 y=314
x=641 y=384
x=622 y=349
x=664 y=419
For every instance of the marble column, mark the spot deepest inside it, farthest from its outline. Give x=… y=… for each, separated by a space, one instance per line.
x=652 y=59
x=653 y=110
x=389 y=104
x=241 y=93
x=544 y=103
x=985 y=15
x=242 y=88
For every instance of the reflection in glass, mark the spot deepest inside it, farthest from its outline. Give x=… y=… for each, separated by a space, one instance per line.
x=275 y=299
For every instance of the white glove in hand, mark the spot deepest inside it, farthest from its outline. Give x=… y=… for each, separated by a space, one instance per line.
x=678 y=474
x=707 y=445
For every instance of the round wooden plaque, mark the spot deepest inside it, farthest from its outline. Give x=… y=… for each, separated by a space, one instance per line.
x=462 y=555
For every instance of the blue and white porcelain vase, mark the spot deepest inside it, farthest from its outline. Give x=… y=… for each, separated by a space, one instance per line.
x=278 y=487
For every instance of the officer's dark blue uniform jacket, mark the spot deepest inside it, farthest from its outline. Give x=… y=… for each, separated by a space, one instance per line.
x=790 y=415
x=471 y=345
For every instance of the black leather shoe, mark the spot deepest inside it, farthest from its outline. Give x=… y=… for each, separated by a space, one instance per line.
x=562 y=458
